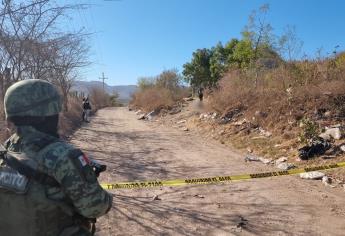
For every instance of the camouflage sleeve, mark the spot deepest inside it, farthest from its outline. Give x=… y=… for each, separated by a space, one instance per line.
x=79 y=183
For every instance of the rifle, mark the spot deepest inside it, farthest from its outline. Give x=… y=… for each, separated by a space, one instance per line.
x=97 y=167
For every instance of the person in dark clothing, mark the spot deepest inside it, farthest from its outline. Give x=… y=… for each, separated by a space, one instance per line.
x=86 y=109
x=201 y=93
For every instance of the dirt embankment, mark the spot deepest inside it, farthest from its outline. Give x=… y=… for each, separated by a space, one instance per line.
x=139 y=150
x=243 y=133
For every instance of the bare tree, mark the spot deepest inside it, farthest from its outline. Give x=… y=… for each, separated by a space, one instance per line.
x=32 y=46
x=258 y=30
x=289 y=44
x=69 y=53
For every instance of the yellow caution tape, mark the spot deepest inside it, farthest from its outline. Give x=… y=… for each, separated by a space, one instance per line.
x=217 y=179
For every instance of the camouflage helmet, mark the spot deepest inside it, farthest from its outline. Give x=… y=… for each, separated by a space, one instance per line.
x=32 y=97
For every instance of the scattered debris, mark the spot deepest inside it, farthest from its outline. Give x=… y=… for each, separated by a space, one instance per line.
x=261 y=114
x=249 y=157
x=175 y=110
x=258 y=137
x=181 y=121
x=280 y=160
x=319 y=113
x=203 y=116
x=214 y=115
x=264 y=132
x=328 y=114
x=239 y=123
x=334 y=151
x=285 y=166
x=156 y=198
x=327 y=181
x=141 y=117
x=318 y=147
x=325 y=136
x=266 y=161
x=188 y=99
x=199 y=196
x=151 y=114
x=231 y=113
x=342 y=148
x=242 y=222
x=312 y=175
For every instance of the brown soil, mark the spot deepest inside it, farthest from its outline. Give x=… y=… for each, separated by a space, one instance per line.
x=139 y=150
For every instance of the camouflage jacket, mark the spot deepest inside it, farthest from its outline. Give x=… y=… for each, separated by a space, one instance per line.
x=51 y=210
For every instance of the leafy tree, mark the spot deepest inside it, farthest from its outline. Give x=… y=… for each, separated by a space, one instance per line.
x=230 y=49
x=243 y=53
x=218 y=62
x=145 y=83
x=222 y=57
x=169 y=79
x=197 y=72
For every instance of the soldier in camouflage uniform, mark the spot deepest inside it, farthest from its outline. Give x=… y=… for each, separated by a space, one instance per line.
x=51 y=188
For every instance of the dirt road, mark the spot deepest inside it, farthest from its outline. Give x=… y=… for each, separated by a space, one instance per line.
x=138 y=150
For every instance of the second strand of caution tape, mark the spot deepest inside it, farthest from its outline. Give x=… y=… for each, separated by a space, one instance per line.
x=216 y=179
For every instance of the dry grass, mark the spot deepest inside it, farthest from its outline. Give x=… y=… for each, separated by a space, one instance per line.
x=157 y=98
x=99 y=99
x=268 y=94
x=316 y=87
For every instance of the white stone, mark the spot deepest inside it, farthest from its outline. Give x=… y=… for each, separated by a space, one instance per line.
x=342 y=148
x=265 y=160
x=251 y=158
x=181 y=122
x=285 y=166
x=238 y=123
x=312 y=175
x=142 y=117
x=325 y=136
x=280 y=160
x=265 y=133
x=334 y=133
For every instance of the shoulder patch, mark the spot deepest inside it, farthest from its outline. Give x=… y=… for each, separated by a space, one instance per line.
x=84 y=160
x=13 y=181
x=83 y=164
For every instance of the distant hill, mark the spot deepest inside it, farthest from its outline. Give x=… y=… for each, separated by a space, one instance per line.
x=124 y=91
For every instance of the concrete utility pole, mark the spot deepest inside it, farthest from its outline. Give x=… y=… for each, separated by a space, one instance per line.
x=103 y=78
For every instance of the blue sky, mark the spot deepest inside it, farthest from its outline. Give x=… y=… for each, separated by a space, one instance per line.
x=134 y=38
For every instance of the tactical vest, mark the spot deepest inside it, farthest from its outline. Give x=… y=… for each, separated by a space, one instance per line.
x=31 y=202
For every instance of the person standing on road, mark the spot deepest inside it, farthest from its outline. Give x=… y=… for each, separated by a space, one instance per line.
x=47 y=186
x=201 y=93
x=86 y=109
